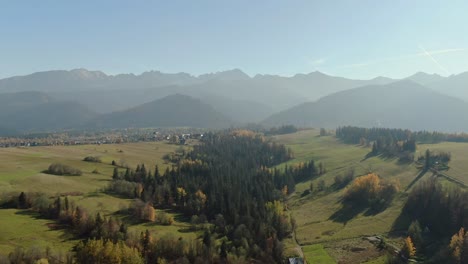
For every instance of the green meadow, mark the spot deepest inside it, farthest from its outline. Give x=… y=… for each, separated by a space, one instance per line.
x=21 y=170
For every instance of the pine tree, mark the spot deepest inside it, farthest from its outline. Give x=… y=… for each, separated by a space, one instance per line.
x=22 y=201
x=115 y=174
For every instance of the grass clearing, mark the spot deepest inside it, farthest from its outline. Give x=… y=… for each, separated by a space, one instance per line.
x=317 y=254
x=23 y=228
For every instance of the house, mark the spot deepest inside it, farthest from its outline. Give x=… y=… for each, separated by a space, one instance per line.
x=296 y=261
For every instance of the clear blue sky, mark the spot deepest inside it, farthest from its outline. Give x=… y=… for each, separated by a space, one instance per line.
x=351 y=38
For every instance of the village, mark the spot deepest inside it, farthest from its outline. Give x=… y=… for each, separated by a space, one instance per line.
x=178 y=136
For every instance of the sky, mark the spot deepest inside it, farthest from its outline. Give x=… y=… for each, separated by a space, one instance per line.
x=359 y=39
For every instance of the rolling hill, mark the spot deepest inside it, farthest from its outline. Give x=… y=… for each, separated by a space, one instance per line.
x=403 y=104
x=12 y=102
x=49 y=116
x=171 y=111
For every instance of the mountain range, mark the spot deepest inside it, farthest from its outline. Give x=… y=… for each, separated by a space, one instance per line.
x=80 y=98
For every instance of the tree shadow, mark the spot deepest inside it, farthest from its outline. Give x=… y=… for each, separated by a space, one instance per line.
x=53 y=225
x=419 y=176
x=351 y=209
x=399 y=226
x=28 y=213
x=347 y=212
x=368 y=156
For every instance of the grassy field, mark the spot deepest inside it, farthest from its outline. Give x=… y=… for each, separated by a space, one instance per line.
x=21 y=228
x=321 y=218
x=316 y=254
x=20 y=170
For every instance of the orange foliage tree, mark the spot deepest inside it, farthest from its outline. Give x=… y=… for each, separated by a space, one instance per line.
x=372 y=190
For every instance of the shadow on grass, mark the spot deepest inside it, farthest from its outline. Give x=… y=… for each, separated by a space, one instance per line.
x=186 y=230
x=28 y=213
x=347 y=212
x=368 y=156
x=400 y=226
x=419 y=176
x=106 y=180
x=383 y=156
x=52 y=224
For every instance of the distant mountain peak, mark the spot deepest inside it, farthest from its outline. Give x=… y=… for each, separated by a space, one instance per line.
x=424 y=78
x=421 y=73
x=229 y=75
x=317 y=73
x=86 y=74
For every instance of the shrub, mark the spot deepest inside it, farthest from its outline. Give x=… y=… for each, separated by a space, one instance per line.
x=164 y=219
x=92 y=159
x=61 y=169
x=343 y=180
x=372 y=191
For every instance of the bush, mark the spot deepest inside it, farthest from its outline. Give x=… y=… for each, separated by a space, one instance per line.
x=164 y=219
x=372 y=191
x=92 y=159
x=61 y=169
x=124 y=188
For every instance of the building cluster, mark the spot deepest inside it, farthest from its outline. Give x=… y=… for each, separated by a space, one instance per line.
x=174 y=136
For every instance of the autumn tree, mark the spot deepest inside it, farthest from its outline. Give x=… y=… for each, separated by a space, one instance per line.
x=101 y=251
x=459 y=246
x=149 y=214
x=408 y=250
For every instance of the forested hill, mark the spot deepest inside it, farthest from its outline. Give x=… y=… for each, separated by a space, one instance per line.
x=171 y=111
x=403 y=104
x=7 y=132
x=12 y=102
x=49 y=116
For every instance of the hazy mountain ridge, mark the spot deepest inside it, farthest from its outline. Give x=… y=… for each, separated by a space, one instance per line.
x=454 y=85
x=232 y=94
x=171 y=111
x=48 y=116
x=402 y=104
x=97 y=90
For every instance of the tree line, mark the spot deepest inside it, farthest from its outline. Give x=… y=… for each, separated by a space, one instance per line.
x=361 y=135
x=438 y=219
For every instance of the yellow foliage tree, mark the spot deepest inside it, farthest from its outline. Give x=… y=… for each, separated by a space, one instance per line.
x=364 y=187
x=457 y=244
x=200 y=199
x=149 y=214
x=243 y=133
x=408 y=250
x=181 y=194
